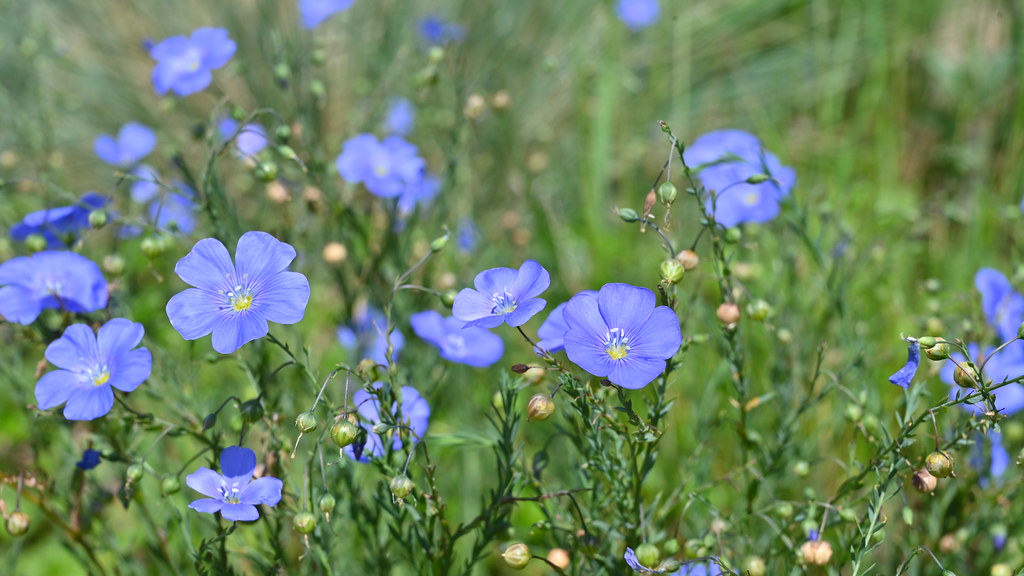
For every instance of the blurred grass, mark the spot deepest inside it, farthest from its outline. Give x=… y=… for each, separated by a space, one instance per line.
x=903 y=120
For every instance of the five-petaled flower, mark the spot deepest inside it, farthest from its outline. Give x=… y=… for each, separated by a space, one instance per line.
x=413 y=420
x=251 y=139
x=235 y=301
x=637 y=14
x=905 y=375
x=314 y=12
x=185 y=65
x=400 y=118
x=91 y=366
x=472 y=345
x=386 y=168
x=134 y=142
x=503 y=295
x=63 y=280
x=59 y=226
x=233 y=492
x=620 y=334
x=725 y=160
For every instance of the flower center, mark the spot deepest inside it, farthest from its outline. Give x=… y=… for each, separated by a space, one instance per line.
x=192 y=60
x=751 y=198
x=456 y=345
x=616 y=344
x=504 y=303
x=230 y=495
x=101 y=379
x=54 y=287
x=240 y=298
x=381 y=170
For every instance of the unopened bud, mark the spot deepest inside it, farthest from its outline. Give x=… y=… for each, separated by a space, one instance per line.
x=326 y=504
x=401 y=486
x=520 y=368
x=252 y=410
x=266 y=171
x=517 y=556
x=98 y=218
x=754 y=566
x=728 y=313
x=965 y=374
x=758 y=178
x=667 y=193
x=35 y=243
x=540 y=407
x=628 y=215
x=152 y=246
x=304 y=522
x=17 y=523
x=210 y=421
x=924 y=482
x=668 y=566
x=926 y=342
x=306 y=422
x=133 y=473
x=647 y=554
x=438 y=244
x=689 y=259
x=448 y=297
x=733 y=235
x=170 y=485
x=759 y=310
x=344 y=432
x=335 y=253
x=381 y=427
x=113 y=264
x=816 y=552
x=671 y=271
x=939 y=463
x=940 y=351
x=559 y=557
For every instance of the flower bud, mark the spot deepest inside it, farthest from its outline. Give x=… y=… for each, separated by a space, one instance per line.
x=283 y=132
x=170 y=485
x=401 y=486
x=210 y=421
x=939 y=463
x=758 y=178
x=801 y=468
x=759 y=310
x=671 y=271
x=304 y=522
x=474 y=107
x=17 y=523
x=133 y=473
x=926 y=342
x=689 y=259
x=924 y=482
x=35 y=243
x=647 y=554
x=667 y=193
x=559 y=557
x=344 y=432
x=335 y=253
x=728 y=313
x=326 y=504
x=965 y=374
x=733 y=235
x=520 y=368
x=753 y=566
x=448 y=298
x=438 y=244
x=816 y=552
x=517 y=556
x=113 y=264
x=306 y=422
x=628 y=215
x=938 y=352
x=152 y=246
x=718 y=526
x=252 y=410
x=98 y=218
x=381 y=427
x=668 y=566
x=540 y=407
x=266 y=171
x=435 y=54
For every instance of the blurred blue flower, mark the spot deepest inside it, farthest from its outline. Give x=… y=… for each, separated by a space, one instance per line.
x=314 y=12
x=401 y=117
x=62 y=280
x=637 y=14
x=59 y=226
x=1003 y=306
x=251 y=139
x=91 y=366
x=620 y=334
x=90 y=459
x=145 y=185
x=386 y=168
x=905 y=375
x=466 y=235
x=133 y=143
x=419 y=192
x=503 y=296
x=234 y=301
x=233 y=492
x=185 y=65
x=175 y=211
x=365 y=335
x=725 y=159
x=1006 y=365
x=997 y=460
x=415 y=414
x=473 y=346
x=552 y=331
x=435 y=31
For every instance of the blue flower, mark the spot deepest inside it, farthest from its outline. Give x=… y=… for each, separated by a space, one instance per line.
x=314 y=12
x=419 y=192
x=133 y=143
x=435 y=31
x=251 y=139
x=1006 y=365
x=386 y=168
x=637 y=14
x=91 y=366
x=62 y=280
x=59 y=226
x=997 y=461
x=905 y=375
x=401 y=117
x=725 y=159
x=467 y=235
x=415 y=414
x=1003 y=306
x=552 y=331
x=473 y=346
x=146 y=183
x=503 y=295
x=175 y=211
x=185 y=65
x=365 y=334
x=90 y=459
x=621 y=335
x=233 y=492
x=235 y=301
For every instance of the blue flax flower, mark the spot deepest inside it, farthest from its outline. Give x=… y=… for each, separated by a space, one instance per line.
x=725 y=159
x=1006 y=365
x=418 y=192
x=91 y=366
x=145 y=185
x=552 y=331
x=251 y=139
x=175 y=211
x=185 y=65
x=386 y=168
x=62 y=280
x=401 y=117
x=90 y=459
x=365 y=334
x=621 y=335
x=134 y=142
x=435 y=31
x=637 y=14
x=473 y=346
x=415 y=414
x=314 y=12
x=997 y=460
x=234 y=301
x=467 y=235
x=1003 y=306
x=905 y=375
x=59 y=226
x=233 y=492
x=503 y=296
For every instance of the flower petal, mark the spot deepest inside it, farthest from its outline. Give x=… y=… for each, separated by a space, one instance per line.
x=471 y=305
x=75 y=350
x=588 y=353
x=264 y=490
x=206 y=482
x=495 y=281
x=239 y=512
x=481 y=348
x=232 y=331
x=635 y=372
x=19 y=305
x=259 y=256
x=89 y=403
x=626 y=307
x=524 y=311
x=54 y=388
x=194 y=313
x=207 y=266
x=531 y=280
x=283 y=298
x=905 y=375
x=186 y=84
x=583 y=314
x=130 y=369
x=236 y=461
x=206 y=505
x=659 y=337
x=118 y=336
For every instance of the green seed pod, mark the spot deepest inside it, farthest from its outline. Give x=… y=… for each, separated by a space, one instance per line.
x=152 y=247
x=17 y=523
x=306 y=422
x=266 y=171
x=401 y=486
x=628 y=215
x=733 y=235
x=926 y=342
x=318 y=56
x=924 y=482
x=517 y=556
x=170 y=485
x=98 y=218
x=283 y=133
x=113 y=264
x=670 y=547
x=754 y=566
x=801 y=468
x=648 y=554
x=438 y=244
x=35 y=243
x=938 y=352
x=965 y=375
x=134 y=473
x=344 y=432
x=304 y=522
x=540 y=407
x=784 y=510
x=448 y=298
x=252 y=411
x=326 y=504
x=1001 y=570
x=667 y=193
x=671 y=271
x=668 y=566
x=759 y=310
x=939 y=464
x=758 y=178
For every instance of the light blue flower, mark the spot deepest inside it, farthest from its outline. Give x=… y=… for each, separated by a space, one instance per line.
x=185 y=65
x=637 y=14
x=233 y=492
x=473 y=345
x=503 y=296
x=133 y=143
x=314 y=12
x=61 y=280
